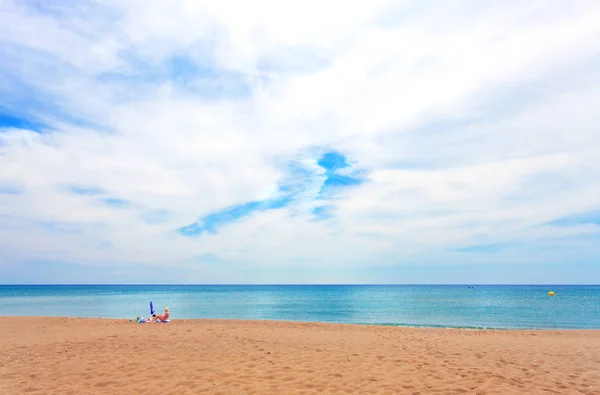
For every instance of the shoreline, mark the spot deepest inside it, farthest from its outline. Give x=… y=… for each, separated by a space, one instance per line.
x=384 y=325
x=189 y=356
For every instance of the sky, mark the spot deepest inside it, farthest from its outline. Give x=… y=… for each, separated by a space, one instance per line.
x=163 y=141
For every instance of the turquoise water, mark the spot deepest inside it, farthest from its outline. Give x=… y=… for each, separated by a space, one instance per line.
x=517 y=306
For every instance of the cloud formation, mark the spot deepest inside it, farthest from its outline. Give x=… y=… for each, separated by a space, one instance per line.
x=229 y=140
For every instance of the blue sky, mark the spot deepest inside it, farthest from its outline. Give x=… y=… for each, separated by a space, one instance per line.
x=263 y=143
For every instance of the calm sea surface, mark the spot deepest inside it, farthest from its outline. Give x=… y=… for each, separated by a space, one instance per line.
x=479 y=306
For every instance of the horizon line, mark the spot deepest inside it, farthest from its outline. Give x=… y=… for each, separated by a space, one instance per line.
x=300 y=284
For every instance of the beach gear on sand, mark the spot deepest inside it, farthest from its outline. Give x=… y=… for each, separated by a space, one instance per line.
x=142 y=320
x=150 y=322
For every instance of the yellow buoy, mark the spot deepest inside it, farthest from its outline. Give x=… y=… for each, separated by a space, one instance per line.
x=551 y=293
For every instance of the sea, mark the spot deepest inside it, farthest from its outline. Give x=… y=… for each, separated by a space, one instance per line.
x=448 y=306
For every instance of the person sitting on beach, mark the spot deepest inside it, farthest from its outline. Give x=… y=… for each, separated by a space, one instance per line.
x=165 y=316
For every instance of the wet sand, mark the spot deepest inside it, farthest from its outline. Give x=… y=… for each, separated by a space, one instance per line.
x=104 y=356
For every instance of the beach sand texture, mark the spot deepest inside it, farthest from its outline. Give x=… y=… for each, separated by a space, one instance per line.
x=101 y=356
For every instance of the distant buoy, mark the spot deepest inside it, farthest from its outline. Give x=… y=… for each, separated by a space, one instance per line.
x=551 y=293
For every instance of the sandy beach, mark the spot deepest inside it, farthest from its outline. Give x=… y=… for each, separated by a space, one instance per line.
x=106 y=356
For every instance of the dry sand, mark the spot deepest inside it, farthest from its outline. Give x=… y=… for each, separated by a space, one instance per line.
x=77 y=355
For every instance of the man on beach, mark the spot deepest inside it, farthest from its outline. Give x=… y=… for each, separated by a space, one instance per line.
x=165 y=316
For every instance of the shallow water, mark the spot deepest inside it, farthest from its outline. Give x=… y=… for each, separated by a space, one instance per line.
x=479 y=306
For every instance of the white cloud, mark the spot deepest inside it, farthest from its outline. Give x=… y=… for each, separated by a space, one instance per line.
x=475 y=125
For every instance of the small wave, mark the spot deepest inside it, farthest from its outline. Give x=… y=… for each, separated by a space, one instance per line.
x=405 y=325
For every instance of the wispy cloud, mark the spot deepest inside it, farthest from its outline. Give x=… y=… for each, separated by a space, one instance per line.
x=405 y=133
x=302 y=187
